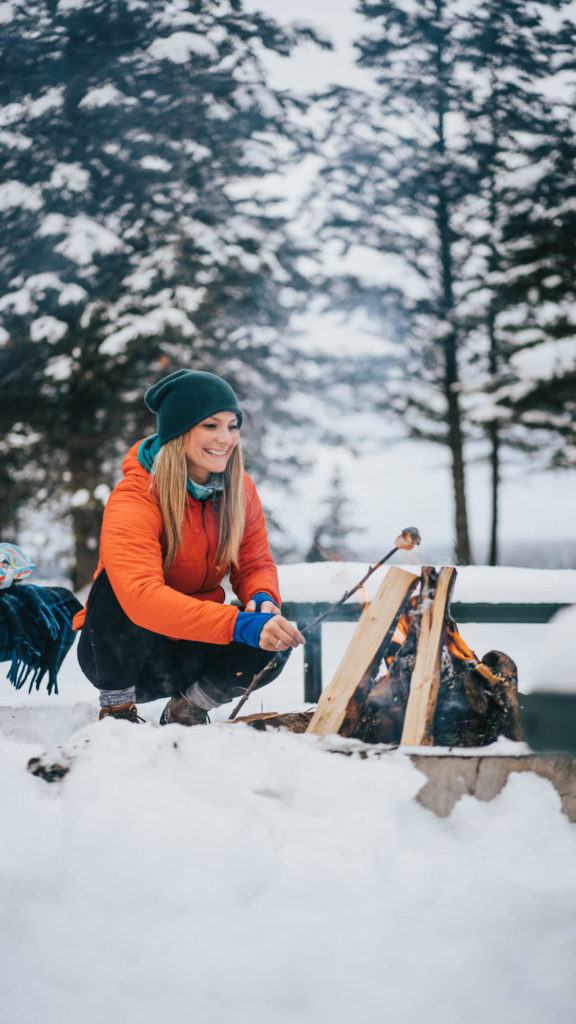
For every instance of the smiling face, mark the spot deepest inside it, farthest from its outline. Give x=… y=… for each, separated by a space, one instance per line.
x=209 y=445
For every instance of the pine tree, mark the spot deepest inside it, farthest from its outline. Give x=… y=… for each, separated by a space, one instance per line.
x=135 y=240
x=430 y=173
x=513 y=53
x=330 y=541
x=396 y=185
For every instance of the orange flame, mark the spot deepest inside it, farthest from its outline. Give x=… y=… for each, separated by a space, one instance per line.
x=452 y=639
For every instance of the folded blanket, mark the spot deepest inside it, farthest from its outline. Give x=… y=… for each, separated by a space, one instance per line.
x=36 y=632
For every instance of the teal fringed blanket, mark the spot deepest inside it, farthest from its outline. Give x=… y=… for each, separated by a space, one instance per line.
x=36 y=632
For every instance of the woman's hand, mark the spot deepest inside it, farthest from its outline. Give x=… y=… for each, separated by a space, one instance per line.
x=278 y=634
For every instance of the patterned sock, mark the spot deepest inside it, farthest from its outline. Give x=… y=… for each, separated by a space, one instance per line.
x=108 y=698
x=197 y=695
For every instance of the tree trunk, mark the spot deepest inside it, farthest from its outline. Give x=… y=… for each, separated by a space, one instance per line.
x=453 y=412
x=455 y=432
x=86 y=523
x=494 y=435
x=86 y=515
x=462 y=549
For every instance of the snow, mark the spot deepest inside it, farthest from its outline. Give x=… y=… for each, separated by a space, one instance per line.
x=474 y=583
x=49 y=328
x=155 y=163
x=180 y=46
x=84 y=237
x=14 y=194
x=59 y=368
x=553 y=667
x=6 y=13
x=226 y=875
x=14 y=140
x=103 y=96
x=152 y=323
x=80 y=498
x=543 y=652
x=72 y=177
x=544 y=361
x=71 y=294
x=52 y=99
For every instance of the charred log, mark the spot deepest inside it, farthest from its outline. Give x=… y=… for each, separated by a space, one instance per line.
x=477 y=701
x=295 y=721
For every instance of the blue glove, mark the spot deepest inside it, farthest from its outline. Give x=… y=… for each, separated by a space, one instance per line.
x=248 y=626
x=260 y=597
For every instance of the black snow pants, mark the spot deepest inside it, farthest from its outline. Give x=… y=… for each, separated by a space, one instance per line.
x=114 y=654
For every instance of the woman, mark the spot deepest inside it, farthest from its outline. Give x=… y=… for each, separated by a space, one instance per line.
x=183 y=515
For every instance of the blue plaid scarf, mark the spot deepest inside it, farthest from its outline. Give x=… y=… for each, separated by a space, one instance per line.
x=36 y=632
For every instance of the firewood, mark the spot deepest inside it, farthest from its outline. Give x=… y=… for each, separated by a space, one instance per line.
x=418 y=722
x=341 y=703
x=294 y=721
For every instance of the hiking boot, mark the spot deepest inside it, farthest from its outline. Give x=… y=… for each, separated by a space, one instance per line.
x=127 y=711
x=181 y=711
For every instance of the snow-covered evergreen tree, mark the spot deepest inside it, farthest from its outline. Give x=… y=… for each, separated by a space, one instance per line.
x=514 y=56
x=427 y=174
x=535 y=388
x=133 y=137
x=396 y=182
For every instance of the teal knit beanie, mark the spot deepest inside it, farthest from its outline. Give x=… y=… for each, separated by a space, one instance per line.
x=187 y=397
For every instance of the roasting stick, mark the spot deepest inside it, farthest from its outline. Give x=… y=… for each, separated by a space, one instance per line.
x=405 y=541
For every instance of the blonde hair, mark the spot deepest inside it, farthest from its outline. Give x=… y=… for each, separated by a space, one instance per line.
x=169 y=478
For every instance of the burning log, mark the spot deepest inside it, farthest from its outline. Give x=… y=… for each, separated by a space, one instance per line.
x=341 y=704
x=474 y=702
x=425 y=679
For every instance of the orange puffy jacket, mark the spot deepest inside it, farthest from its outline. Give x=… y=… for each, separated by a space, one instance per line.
x=186 y=603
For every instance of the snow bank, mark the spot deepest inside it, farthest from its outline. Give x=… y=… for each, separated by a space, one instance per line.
x=543 y=652
x=327 y=581
x=553 y=666
x=222 y=875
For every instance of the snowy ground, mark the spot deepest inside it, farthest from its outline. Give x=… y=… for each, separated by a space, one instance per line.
x=224 y=876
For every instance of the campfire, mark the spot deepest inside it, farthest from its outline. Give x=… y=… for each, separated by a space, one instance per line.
x=409 y=677
x=475 y=700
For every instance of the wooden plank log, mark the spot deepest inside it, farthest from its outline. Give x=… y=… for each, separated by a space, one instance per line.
x=295 y=721
x=425 y=682
x=341 y=702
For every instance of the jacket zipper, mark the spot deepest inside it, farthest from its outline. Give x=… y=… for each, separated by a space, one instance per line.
x=204 y=527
